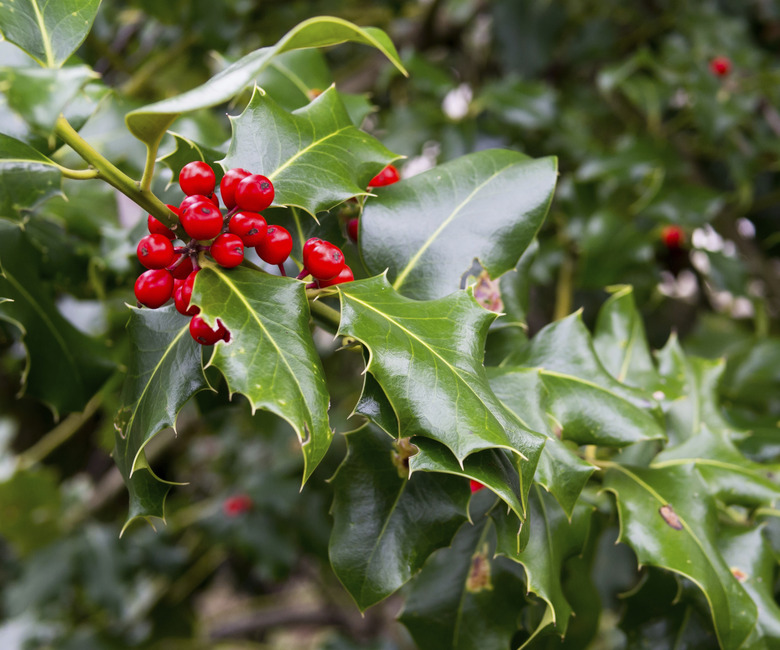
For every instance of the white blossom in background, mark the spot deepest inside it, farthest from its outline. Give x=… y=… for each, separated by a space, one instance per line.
x=456 y=102
x=683 y=287
x=422 y=163
x=746 y=228
x=701 y=261
x=742 y=308
x=708 y=239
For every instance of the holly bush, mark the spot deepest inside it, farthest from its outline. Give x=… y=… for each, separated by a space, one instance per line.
x=537 y=407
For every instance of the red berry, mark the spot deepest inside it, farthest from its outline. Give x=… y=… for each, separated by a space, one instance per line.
x=250 y=226
x=202 y=221
x=672 y=236
x=276 y=247
x=237 y=505
x=720 y=66
x=153 y=288
x=181 y=299
x=203 y=334
x=254 y=193
x=310 y=245
x=228 y=250
x=387 y=176
x=345 y=275
x=476 y=486
x=184 y=268
x=197 y=178
x=155 y=251
x=324 y=260
x=228 y=184
x=352 y=229
x=157 y=227
x=190 y=201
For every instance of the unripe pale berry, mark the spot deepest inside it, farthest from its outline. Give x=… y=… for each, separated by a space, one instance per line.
x=197 y=178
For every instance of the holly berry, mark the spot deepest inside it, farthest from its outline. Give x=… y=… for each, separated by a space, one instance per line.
x=205 y=335
x=276 y=247
x=323 y=260
x=197 y=178
x=153 y=288
x=387 y=176
x=181 y=270
x=228 y=250
x=237 y=505
x=672 y=236
x=720 y=66
x=352 y=229
x=345 y=275
x=228 y=184
x=189 y=201
x=250 y=226
x=254 y=193
x=310 y=245
x=475 y=486
x=157 y=227
x=181 y=300
x=202 y=221
x=155 y=251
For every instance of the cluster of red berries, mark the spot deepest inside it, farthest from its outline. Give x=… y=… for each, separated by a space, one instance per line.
x=237 y=505
x=720 y=66
x=672 y=236
x=387 y=176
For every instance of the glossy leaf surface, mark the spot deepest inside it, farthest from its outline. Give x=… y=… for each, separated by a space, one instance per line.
x=64 y=366
x=385 y=523
x=270 y=358
x=27 y=177
x=315 y=157
x=165 y=371
x=150 y=122
x=427 y=230
x=48 y=31
x=670 y=521
x=436 y=390
x=186 y=151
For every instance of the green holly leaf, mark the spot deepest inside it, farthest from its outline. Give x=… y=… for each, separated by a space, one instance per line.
x=27 y=178
x=48 y=31
x=315 y=157
x=621 y=343
x=64 y=367
x=39 y=95
x=271 y=358
x=387 y=521
x=494 y=468
x=149 y=123
x=436 y=390
x=590 y=406
x=427 y=230
x=164 y=371
x=670 y=521
x=187 y=151
x=560 y=469
x=465 y=598
x=754 y=564
x=554 y=537
x=374 y=405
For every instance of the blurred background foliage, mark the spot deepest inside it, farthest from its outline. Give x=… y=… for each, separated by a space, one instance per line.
x=647 y=136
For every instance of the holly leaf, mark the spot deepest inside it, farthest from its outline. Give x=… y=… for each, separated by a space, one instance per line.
x=620 y=341
x=64 y=367
x=560 y=470
x=494 y=468
x=39 y=95
x=150 y=122
x=164 y=371
x=48 y=31
x=271 y=358
x=590 y=405
x=374 y=548
x=670 y=521
x=465 y=598
x=187 y=151
x=27 y=178
x=754 y=565
x=315 y=157
x=553 y=538
x=436 y=390
x=427 y=230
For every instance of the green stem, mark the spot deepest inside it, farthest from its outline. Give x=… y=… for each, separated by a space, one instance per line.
x=58 y=435
x=78 y=174
x=115 y=177
x=326 y=315
x=564 y=288
x=151 y=159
